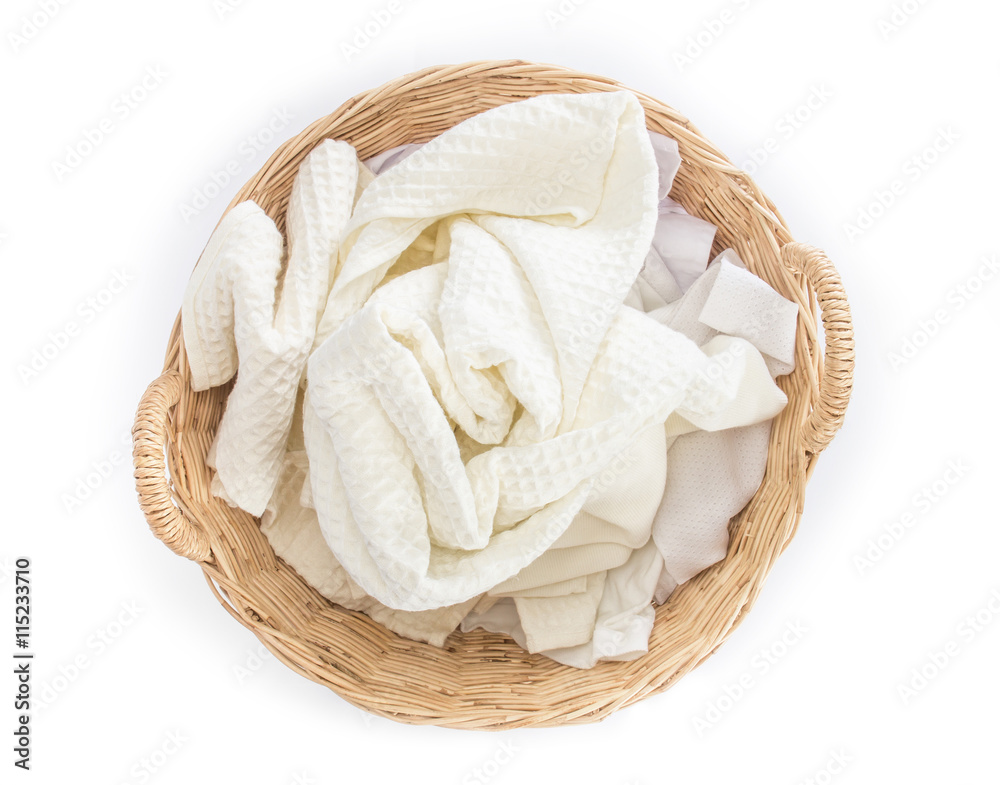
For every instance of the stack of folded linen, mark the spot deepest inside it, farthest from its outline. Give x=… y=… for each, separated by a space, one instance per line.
x=492 y=380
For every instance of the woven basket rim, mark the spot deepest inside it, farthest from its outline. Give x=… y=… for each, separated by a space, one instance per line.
x=483 y=680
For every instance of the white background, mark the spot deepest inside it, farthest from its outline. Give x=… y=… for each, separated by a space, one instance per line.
x=180 y=664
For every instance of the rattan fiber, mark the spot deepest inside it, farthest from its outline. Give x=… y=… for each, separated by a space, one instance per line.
x=483 y=680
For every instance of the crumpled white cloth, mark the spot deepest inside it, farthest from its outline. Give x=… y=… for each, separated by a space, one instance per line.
x=711 y=476
x=714 y=472
x=473 y=375
x=293 y=530
x=233 y=316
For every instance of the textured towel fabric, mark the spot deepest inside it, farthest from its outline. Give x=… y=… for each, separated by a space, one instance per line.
x=712 y=474
x=522 y=316
x=482 y=426
x=232 y=312
x=294 y=533
x=614 y=521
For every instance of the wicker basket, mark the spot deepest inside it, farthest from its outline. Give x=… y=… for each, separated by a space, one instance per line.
x=484 y=680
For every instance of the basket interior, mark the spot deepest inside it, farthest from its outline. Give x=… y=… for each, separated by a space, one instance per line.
x=480 y=679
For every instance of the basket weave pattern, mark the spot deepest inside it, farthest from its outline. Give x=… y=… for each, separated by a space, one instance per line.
x=484 y=680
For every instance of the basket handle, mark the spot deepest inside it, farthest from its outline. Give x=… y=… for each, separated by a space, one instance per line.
x=838 y=360
x=167 y=522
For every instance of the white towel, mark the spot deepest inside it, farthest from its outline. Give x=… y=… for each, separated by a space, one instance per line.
x=714 y=472
x=618 y=611
x=234 y=313
x=473 y=373
x=712 y=475
x=522 y=315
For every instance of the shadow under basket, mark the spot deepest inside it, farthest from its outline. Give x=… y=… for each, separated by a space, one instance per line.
x=484 y=680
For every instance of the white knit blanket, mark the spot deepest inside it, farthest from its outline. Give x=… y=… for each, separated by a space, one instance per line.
x=470 y=372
